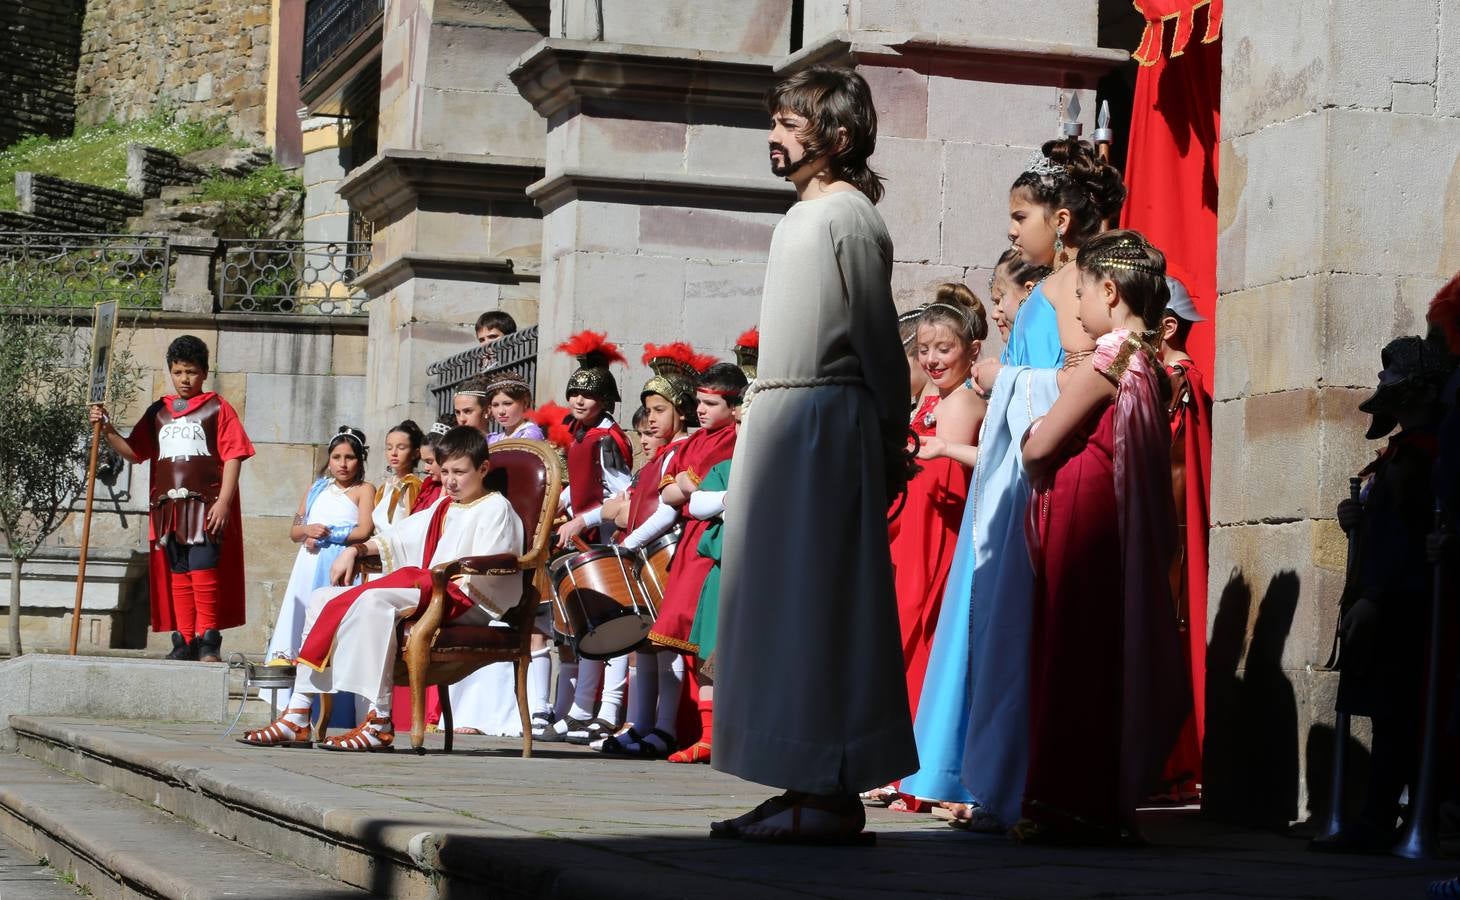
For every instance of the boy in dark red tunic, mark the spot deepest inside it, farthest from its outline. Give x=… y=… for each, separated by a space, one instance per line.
x=1190 y=413
x=196 y=445
x=599 y=460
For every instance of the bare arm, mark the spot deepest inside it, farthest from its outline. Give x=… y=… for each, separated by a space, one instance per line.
x=114 y=439
x=1084 y=392
x=960 y=415
x=299 y=531
x=364 y=496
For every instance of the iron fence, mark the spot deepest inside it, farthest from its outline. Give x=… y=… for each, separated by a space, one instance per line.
x=330 y=26
x=292 y=276
x=55 y=269
x=515 y=353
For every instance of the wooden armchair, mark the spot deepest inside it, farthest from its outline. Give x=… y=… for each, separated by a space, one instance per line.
x=435 y=652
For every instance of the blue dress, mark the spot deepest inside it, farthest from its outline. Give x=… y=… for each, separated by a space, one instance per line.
x=973 y=719
x=1034 y=340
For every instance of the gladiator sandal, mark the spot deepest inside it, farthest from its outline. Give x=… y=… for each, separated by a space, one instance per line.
x=374 y=735
x=281 y=732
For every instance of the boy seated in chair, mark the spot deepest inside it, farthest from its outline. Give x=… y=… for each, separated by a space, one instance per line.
x=350 y=633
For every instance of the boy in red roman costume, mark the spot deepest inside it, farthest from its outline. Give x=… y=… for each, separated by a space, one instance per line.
x=196 y=446
x=349 y=639
x=717 y=396
x=1191 y=481
x=599 y=461
x=669 y=399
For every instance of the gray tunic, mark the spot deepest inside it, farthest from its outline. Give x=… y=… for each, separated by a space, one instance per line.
x=810 y=693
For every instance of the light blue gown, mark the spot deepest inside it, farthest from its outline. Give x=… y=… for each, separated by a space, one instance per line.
x=973 y=716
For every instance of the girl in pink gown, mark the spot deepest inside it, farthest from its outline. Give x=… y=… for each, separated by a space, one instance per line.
x=1108 y=690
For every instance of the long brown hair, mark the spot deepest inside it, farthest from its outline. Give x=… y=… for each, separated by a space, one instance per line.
x=832 y=98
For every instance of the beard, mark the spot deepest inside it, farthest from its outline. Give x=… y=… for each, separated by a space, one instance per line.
x=783 y=167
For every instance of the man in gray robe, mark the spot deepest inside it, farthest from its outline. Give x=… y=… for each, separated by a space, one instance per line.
x=810 y=693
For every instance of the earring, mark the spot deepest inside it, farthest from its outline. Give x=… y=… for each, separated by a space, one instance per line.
x=1060 y=256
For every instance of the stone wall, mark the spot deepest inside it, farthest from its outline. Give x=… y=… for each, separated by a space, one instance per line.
x=150 y=169
x=42 y=40
x=293 y=379
x=1339 y=217
x=73 y=206
x=202 y=58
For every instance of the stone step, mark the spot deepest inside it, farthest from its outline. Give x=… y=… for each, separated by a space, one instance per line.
x=115 y=846
x=370 y=839
x=175 y=192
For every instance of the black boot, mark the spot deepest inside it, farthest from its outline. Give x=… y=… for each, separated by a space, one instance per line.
x=182 y=649
x=209 y=644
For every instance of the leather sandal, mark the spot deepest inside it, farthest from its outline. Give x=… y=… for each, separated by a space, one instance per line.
x=367 y=737
x=280 y=733
x=590 y=732
x=640 y=747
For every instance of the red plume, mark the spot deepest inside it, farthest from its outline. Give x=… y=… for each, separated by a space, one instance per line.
x=680 y=352
x=550 y=418
x=1445 y=313
x=749 y=340
x=592 y=343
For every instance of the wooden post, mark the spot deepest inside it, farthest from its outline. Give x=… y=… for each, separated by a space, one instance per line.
x=85 y=535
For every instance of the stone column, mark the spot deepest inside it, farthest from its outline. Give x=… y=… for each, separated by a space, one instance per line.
x=658 y=202
x=1339 y=218
x=965 y=92
x=455 y=234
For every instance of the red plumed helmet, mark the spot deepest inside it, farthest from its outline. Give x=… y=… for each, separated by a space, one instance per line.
x=749 y=339
x=747 y=352
x=594 y=353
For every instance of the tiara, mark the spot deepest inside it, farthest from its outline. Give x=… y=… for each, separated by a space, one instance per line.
x=347 y=433
x=482 y=394
x=1130 y=253
x=507 y=379
x=1039 y=164
x=439 y=428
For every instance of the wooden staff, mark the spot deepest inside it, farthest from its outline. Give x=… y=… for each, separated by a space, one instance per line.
x=85 y=534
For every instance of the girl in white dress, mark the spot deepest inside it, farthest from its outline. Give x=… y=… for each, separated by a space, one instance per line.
x=398 y=491
x=334 y=512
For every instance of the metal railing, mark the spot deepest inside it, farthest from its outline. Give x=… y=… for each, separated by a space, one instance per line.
x=517 y=353
x=330 y=26
x=292 y=276
x=56 y=269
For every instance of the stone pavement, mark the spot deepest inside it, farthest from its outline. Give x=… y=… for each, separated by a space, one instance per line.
x=624 y=828
x=22 y=878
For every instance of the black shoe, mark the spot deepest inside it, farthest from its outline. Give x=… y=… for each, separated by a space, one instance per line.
x=210 y=645
x=182 y=649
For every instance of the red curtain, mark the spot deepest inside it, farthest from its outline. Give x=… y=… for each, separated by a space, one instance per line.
x=1171 y=167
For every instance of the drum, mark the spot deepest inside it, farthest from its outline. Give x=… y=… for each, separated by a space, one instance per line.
x=597 y=602
x=652 y=566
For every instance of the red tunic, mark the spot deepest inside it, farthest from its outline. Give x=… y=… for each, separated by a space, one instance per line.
x=644 y=494
x=199 y=439
x=687 y=571
x=924 y=536
x=1191 y=481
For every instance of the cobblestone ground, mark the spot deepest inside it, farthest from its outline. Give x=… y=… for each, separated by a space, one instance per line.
x=649 y=821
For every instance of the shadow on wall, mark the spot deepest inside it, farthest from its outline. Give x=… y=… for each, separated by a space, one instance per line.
x=1250 y=760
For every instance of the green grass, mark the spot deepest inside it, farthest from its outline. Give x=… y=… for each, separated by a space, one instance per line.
x=98 y=154
x=256 y=186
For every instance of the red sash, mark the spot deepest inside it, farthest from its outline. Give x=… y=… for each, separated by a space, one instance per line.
x=320 y=644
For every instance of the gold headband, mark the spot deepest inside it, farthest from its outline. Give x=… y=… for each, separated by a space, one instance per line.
x=1127 y=252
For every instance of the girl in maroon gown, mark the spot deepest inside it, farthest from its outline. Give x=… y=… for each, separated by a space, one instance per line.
x=1108 y=689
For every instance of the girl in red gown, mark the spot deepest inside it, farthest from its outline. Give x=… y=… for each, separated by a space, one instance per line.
x=924 y=532
x=1108 y=690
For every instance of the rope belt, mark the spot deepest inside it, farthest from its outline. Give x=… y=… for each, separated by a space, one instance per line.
x=787 y=384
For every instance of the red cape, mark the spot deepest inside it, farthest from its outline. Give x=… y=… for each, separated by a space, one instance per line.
x=232 y=605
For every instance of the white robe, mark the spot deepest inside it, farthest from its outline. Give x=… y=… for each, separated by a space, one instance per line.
x=365 y=644
x=809 y=689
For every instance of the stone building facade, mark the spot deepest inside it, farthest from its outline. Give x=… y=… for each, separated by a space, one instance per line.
x=1339 y=216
